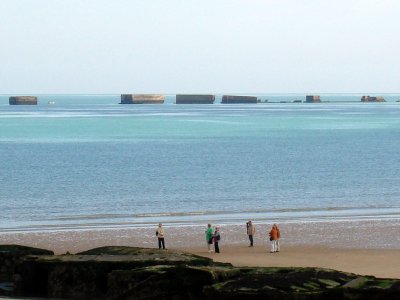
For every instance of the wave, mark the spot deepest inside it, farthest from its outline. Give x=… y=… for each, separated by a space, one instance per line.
x=307 y=211
x=199 y=218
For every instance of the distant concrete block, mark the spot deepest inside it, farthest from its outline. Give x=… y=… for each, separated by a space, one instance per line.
x=195 y=99
x=229 y=99
x=142 y=99
x=313 y=99
x=372 y=99
x=23 y=100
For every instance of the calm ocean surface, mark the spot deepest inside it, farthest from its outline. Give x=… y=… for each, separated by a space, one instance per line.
x=88 y=162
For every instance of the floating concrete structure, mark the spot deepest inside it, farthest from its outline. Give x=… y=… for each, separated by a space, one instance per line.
x=142 y=99
x=195 y=99
x=372 y=99
x=313 y=99
x=229 y=99
x=23 y=100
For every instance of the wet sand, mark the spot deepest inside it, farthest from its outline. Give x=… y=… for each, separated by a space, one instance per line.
x=362 y=247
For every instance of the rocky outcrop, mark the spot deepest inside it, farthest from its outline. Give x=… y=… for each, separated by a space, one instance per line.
x=23 y=100
x=142 y=99
x=372 y=99
x=11 y=259
x=195 y=99
x=135 y=273
x=228 y=99
x=313 y=99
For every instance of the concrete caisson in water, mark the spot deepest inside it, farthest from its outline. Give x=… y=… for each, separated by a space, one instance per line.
x=195 y=99
x=23 y=100
x=313 y=99
x=142 y=99
x=229 y=99
x=372 y=99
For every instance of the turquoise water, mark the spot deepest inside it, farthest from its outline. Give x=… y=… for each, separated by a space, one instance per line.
x=88 y=162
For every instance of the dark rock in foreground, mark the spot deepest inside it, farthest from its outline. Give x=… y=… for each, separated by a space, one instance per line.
x=137 y=273
x=11 y=259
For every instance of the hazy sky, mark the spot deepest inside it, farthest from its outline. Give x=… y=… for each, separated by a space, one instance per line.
x=171 y=46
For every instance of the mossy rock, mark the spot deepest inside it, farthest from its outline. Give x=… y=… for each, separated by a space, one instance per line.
x=139 y=273
x=150 y=254
x=12 y=256
x=280 y=283
x=119 y=250
x=24 y=250
x=160 y=282
x=85 y=276
x=356 y=283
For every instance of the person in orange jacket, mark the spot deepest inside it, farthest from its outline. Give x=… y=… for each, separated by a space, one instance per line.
x=274 y=236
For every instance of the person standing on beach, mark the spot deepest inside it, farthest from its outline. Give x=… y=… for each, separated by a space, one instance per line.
x=278 y=248
x=273 y=237
x=160 y=235
x=209 y=237
x=216 y=238
x=251 y=230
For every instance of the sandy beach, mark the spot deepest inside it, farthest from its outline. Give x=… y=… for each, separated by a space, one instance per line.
x=362 y=247
x=379 y=263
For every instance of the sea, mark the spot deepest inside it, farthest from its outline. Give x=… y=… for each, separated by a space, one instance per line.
x=76 y=162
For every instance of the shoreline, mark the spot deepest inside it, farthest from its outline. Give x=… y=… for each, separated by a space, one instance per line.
x=364 y=234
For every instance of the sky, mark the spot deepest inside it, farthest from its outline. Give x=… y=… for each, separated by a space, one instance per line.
x=204 y=46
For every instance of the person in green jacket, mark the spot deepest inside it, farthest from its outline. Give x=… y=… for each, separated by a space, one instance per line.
x=209 y=237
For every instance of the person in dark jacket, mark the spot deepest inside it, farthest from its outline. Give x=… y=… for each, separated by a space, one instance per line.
x=216 y=239
x=251 y=231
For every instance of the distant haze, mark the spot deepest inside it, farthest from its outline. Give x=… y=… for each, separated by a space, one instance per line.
x=187 y=46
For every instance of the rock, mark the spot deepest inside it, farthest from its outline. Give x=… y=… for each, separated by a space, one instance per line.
x=165 y=282
x=137 y=273
x=148 y=256
x=23 y=250
x=301 y=283
x=11 y=258
x=85 y=275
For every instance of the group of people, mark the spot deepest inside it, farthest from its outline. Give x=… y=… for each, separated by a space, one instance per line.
x=274 y=236
x=213 y=237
